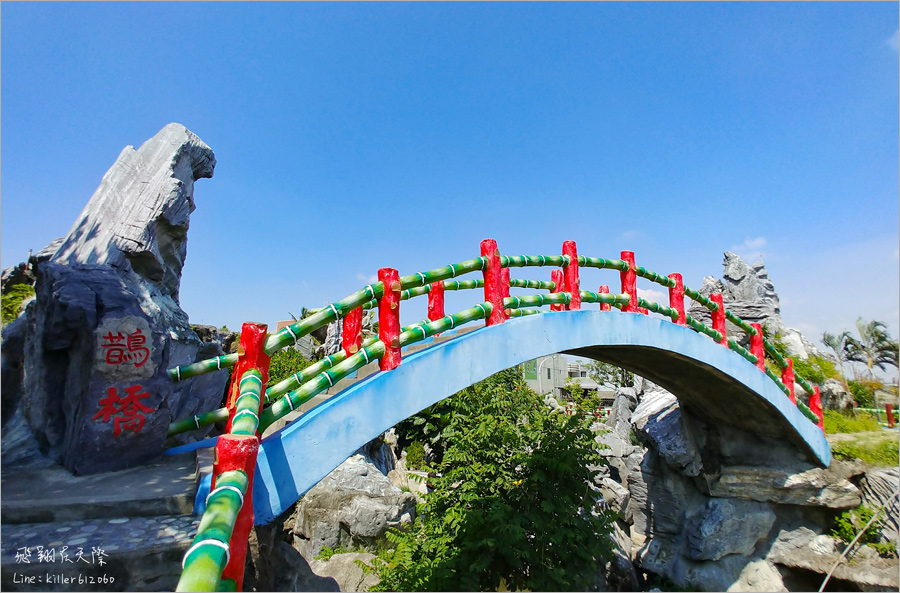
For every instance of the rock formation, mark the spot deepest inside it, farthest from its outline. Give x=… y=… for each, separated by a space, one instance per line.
x=718 y=509
x=748 y=292
x=106 y=323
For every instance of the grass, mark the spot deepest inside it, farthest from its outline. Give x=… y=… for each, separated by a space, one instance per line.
x=881 y=451
x=849 y=422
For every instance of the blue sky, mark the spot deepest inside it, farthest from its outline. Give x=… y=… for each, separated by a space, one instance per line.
x=355 y=136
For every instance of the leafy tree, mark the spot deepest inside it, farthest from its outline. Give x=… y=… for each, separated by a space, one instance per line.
x=609 y=374
x=12 y=301
x=513 y=503
x=836 y=344
x=285 y=363
x=874 y=348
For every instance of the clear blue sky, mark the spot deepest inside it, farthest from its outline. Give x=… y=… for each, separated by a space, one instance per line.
x=355 y=136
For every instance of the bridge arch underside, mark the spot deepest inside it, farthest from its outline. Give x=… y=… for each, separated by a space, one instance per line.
x=712 y=383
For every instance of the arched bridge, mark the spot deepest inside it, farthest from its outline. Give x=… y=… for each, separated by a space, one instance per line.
x=711 y=374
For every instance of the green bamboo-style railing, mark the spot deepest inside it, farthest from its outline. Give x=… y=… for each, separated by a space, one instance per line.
x=208 y=554
x=307 y=383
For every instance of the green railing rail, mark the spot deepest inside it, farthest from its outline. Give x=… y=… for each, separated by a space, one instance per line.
x=207 y=557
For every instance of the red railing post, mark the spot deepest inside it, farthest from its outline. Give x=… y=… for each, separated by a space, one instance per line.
x=604 y=289
x=889 y=409
x=718 y=317
x=570 y=274
x=629 y=282
x=389 y=318
x=815 y=406
x=351 y=335
x=493 y=283
x=240 y=451
x=557 y=277
x=676 y=297
x=787 y=377
x=756 y=347
x=644 y=310
x=436 y=301
x=504 y=282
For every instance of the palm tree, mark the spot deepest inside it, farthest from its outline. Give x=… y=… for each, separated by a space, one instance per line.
x=874 y=348
x=837 y=343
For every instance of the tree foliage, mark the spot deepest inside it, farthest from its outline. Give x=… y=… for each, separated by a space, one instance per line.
x=874 y=348
x=513 y=501
x=12 y=301
x=285 y=363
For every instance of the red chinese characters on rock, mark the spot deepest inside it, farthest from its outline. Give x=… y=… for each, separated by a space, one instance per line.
x=126 y=413
x=130 y=349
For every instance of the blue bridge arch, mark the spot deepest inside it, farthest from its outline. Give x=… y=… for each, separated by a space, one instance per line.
x=708 y=379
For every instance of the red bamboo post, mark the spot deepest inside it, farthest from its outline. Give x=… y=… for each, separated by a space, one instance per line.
x=351 y=335
x=629 y=282
x=756 y=347
x=815 y=406
x=644 y=310
x=787 y=377
x=504 y=282
x=252 y=356
x=557 y=277
x=570 y=276
x=718 y=317
x=389 y=318
x=240 y=451
x=676 y=298
x=889 y=409
x=604 y=289
x=493 y=283
x=436 y=301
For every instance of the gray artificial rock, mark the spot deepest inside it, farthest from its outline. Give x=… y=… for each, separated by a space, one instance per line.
x=12 y=367
x=835 y=396
x=106 y=323
x=658 y=423
x=805 y=550
x=727 y=526
x=333 y=337
x=879 y=487
x=344 y=569
x=831 y=487
x=616 y=497
x=352 y=506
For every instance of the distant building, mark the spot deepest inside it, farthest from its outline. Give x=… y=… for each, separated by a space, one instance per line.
x=548 y=374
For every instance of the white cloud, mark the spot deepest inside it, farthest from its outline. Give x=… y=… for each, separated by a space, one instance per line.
x=893 y=41
x=657 y=296
x=367 y=279
x=629 y=235
x=751 y=250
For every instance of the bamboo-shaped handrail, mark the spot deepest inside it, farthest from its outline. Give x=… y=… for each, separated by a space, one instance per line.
x=209 y=552
x=418 y=284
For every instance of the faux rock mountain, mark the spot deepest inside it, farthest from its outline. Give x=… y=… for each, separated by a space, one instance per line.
x=748 y=292
x=106 y=322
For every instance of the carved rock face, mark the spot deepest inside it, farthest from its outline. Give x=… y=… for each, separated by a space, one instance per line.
x=106 y=323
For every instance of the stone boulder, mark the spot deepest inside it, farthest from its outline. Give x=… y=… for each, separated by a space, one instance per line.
x=879 y=487
x=344 y=569
x=835 y=396
x=727 y=526
x=351 y=507
x=831 y=488
x=659 y=424
x=106 y=323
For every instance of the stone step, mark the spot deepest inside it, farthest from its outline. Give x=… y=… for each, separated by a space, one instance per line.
x=52 y=494
x=117 y=554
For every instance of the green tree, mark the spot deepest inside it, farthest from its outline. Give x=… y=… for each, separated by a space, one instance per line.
x=836 y=344
x=874 y=348
x=513 y=503
x=12 y=301
x=609 y=374
x=285 y=363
